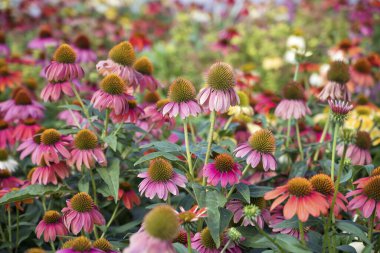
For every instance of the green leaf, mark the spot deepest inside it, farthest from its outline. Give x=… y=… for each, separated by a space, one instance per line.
x=298 y=169
x=110 y=176
x=84 y=183
x=111 y=140
x=124 y=228
x=163 y=146
x=258 y=191
x=243 y=189
x=291 y=244
x=71 y=107
x=180 y=248
x=346 y=248
x=153 y=155
x=33 y=191
x=225 y=218
x=352 y=228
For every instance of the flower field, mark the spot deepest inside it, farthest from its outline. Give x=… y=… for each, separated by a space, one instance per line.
x=187 y=126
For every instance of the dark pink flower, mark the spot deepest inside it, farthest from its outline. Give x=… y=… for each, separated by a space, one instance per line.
x=51 y=226
x=250 y=213
x=6 y=135
x=9 y=181
x=53 y=90
x=83 y=49
x=128 y=195
x=25 y=129
x=144 y=66
x=223 y=170
x=358 y=152
x=131 y=115
x=45 y=174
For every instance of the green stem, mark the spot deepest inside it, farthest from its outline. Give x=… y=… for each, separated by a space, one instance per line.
x=299 y=141
x=228 y=123
x=111 y=219
x=233 y=187
x=296 y=72
x=52 y=246
x=370 y=225
x=2 y=234
x=43 y=201
x=335 y=138
x=189 y=162
x=93 y=186
x=17 y=227
x=105 y=130
x=73 y=116
x=193 y=137
x=189 y=250
x=302 y=232
x=226 y=246
x=323 y=136
x=9 y=227
x=209 y=139
x=85 y=110
x=288 y=133
x=258 y=228
x=168 y=201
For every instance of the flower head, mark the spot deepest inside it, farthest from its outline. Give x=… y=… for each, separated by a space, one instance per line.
x=249 y=213
x=145 y=67
x=45 y=174
x=340 y=110
x=128 y=195
x=79 y=245
x=104 y=245
x=51 y=226
x=358 y=151
x=223 y=170
x=338 y=75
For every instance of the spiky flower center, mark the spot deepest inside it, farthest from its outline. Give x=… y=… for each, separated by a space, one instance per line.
x=345 y=44
x=363 y=66
x=35 y=250
x=68 y=244
x=372 y=188
x=363 y=140
x=263 y=141
x=50 y=136
x=37 y=138
x=132 y=104
x=207 y=240
x=160 y=170
x=81 y=244
x=29 y=121
x=186 y=216
x=224 y=163
x=144 y=66
x=181 y=90
x=113 y=84
x=299 y=187
x=151 y=97
x=85 y=140
x=293 y=91
x=181 y=238
x=234 y=234
x=363 y=110
x=3 y=155
x=82 y=42
x=65 y=54
x=162 y=222
x=251 y=211
x=4 y=71
x=244 y=99
x=5 y=173
x=51 y=216
x=103 y=244
x=161 y=103
x=3 y=124
x=123 y=54
x=45 y=32
x=376 y=172
x=31 y=83
x=259 y=202
x=22 y=98
x=221 y=76
x=322 y=183
x=338 y=72
x=82 y=202
x=125 y=186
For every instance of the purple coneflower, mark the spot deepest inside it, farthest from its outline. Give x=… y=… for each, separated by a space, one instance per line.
x=128 y=195
x=51 y=226
x=45 y=174
x=223 y=170
x=53 y=90
x=131 y=115
x=83 y=50
x=7 y=181
x=24 y=130
x=79 y=245
x=6 y=134
x=182 y=100
x=44 y=40
x=203 y=243
x=340 y=110
x=104 y=245
x=191 y=215
x=358 y=152
x=160 y=179
x=29 y=146
x=219 y=95
x=360 y=73
x=144 y=66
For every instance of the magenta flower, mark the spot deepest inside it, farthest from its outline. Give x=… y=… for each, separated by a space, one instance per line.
x=25 y=129
x=53 y=90
x=29 y=146
x=259 y=148
x=6 y=135
x=79 y=244
x=128 y=195
x=249 y=213
x=44 y=40
x=145 y=68
x=219 y=95
x=361 y=73
x=63 y=67
x=153 y=115
x=181 y=100
x=358 y=152
x=51 y=226
x=72 y=118
x=86 y=151
x=112 y=95
x=203 y=243
x=46 y=174
x=131 y=115
x=83 y=49
x=81 y=213
x=8 y=181
x=223 y=170
x=160 y=179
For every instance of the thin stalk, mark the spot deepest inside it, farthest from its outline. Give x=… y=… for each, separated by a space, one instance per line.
x=258 y=228
x=52 y=246
x=296 y=72
x=323 y=136
x=168 y=201
x=17 y=227
x=226 y=246
x=370 y=225
x=209 y=139
x=288 y=133
x=189 y=162
x=9 y=226
x=93 y=186
x=299 y=141
x=105 y=130
x=73 y=116
x=233 y=187
x=193 y=137
x=189 y=250
x=85 y=110
x=302 y=232
x=43 y=201
x=2 y=234
x=335 y=138
x=228 y=123
x=111 y=219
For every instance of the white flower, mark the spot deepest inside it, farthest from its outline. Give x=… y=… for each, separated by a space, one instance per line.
x=296 y=42
x=9 y=164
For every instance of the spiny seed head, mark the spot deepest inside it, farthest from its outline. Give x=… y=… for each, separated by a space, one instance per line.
x=113 y=84
x=244 y=99
x=37 y=138
x=299 y=187
x=151 y=97
x=322 y=183
x=221 y=76
x=45 y=32
x=206 y=239
x=103 y=244
x=132 y=104
x=372 y=188
x=363 y=66
x=160 y=170
x=251 y=211
x=123 y=54
x=224 y=163
x=181 y=90
x=51 y=216
x=363 y=140
x=234 y=234
x=144 y=66
x=29 y=121
x=259 y=202
x=65 y=54
x=85 y=140
x=181 y=238
x=125 y=186
x=347 y=135
x=363 y=110
x=161 y=103
x=338 y=72
x=82 y=42
x=3 y=124
x=31 y=83
x=293 y=91
x=375 y=172
x=35 y=250
x=4 y=71
x=186 y=217
x=50 y=136
x=345 y=44
x=4 y=173
x=82 y=202
x=81 y=244
x=162 y=223
x=263 y=141
x=68 y=244
x=22 y=98
x=3 y=155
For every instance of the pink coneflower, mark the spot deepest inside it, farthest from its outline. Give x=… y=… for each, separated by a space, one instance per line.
x=203 y=243
x=249 y=214
x=160 y=179
x=323 y=184
x=83 y=49
x=131 y=115
x=362 y=181
x=303 y=199
x=112 y=94
x=219 y=95
x=45 y=174
x=72 y=117
x=53 y=91
x=52 y=145
x=63 y=66
x=120 y=62
x=223 y=170
x=293 y=105
x=360 y=73
x=8 y=79
x=144 y=66
x=79 y=245
x=128 y=195
x=153 y=115
x=336 y=88
x=259 y=148
x=191 y=215
x=29 y=146
x=25 y=129
x=44 y=40
x=51 y=226
x=181 y=100
x=367 y=197
x=340 y=110
x=86 y=151
x=258 y=174
x=6 y=134
x=159 y=229
x=224 y=43
x=9 y=181
x=6 y=161
x=358 y=152
x=104 y=245
x=81 y=213
x=21 y=106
